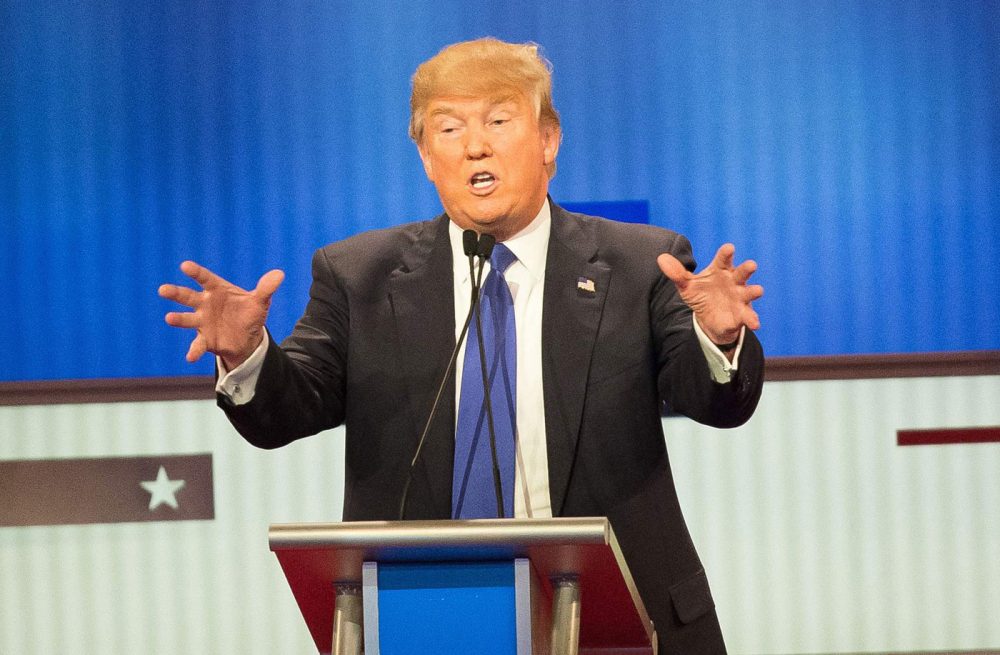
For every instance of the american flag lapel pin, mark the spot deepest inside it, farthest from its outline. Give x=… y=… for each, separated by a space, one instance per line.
x=585 y=286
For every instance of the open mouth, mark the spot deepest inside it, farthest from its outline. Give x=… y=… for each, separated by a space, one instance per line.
x=482 y=181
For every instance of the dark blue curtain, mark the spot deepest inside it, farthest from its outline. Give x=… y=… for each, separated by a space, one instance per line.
x=850 y=147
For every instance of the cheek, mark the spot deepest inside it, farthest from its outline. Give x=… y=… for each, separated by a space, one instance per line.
x=450 y=176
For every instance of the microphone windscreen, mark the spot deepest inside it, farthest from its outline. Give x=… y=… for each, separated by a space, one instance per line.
x=470 y=242
x=486 y=243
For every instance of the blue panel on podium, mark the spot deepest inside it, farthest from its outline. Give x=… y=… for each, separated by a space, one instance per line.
x=446 y=608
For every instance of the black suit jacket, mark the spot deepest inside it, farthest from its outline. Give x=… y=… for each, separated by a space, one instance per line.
x=374 y=341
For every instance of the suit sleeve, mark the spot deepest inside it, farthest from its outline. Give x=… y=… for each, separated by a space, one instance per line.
x=302 y=385
x=684 y=379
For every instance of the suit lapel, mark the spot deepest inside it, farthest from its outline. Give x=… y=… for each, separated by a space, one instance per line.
x=576 y=285
x=423 y=306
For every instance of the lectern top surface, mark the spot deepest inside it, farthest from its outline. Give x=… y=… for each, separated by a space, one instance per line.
x=410 y=534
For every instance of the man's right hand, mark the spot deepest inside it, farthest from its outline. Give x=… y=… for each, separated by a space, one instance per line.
x=229 y=320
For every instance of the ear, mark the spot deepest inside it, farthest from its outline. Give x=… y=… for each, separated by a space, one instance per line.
x=426 y=159
x=551 y=136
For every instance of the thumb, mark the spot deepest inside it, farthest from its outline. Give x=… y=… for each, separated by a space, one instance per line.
x=674 y=269
x=269 y=283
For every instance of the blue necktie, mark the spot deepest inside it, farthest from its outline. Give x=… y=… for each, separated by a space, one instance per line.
x=472 y=491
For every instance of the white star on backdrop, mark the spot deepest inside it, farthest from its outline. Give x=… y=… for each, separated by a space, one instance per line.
x=162 y=490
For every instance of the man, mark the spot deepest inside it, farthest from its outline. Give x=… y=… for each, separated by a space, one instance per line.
x=603 y=335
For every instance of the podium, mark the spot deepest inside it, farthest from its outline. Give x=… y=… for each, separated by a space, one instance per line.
x=552 y=586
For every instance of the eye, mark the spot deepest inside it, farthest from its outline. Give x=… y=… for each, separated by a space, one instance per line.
x=446 y=125
x=449 y=129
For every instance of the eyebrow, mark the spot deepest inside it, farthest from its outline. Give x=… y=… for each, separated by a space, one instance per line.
x=449 y=110
x=441 y=111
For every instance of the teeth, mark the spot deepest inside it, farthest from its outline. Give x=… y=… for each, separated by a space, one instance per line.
x=481 y=180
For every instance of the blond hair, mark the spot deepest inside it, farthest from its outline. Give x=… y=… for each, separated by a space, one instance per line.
x=484 y=68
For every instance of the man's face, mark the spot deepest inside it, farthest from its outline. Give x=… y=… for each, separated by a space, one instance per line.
x=488 y=158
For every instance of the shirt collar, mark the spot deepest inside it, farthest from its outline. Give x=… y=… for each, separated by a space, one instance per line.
x=530 y=245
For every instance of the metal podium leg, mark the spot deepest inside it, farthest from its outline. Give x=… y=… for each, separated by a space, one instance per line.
x=347 y=621
x=565 y=616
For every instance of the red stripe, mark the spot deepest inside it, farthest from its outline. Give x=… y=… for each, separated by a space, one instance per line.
x=945 y=436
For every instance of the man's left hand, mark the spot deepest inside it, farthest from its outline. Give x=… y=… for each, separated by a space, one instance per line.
x=719 y=295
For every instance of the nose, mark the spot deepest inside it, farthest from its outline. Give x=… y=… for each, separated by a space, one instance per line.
x=477 y=145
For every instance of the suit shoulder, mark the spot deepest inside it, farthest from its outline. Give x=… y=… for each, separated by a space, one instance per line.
x=618 y=239
x=374 y=251
x=372 y=242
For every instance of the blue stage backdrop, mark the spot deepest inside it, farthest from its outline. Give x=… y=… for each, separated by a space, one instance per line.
x=850 y=147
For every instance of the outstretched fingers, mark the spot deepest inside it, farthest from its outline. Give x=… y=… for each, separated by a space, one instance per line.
x=719 y=294
x=228 y=319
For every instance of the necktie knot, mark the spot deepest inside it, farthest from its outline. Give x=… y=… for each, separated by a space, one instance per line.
x=502 y=258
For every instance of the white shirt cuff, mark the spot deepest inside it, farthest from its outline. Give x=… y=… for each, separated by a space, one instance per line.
x=240 y=384
x=718 y=364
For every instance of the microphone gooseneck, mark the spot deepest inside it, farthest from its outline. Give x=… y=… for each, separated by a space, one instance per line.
x=485 y=249
x=472 y=245
x=486 y=244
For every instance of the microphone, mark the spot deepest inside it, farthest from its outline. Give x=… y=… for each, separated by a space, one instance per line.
x=486 y=243
x=472 y=245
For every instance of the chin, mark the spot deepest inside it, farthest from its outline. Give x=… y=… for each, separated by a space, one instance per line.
x=487 y=224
